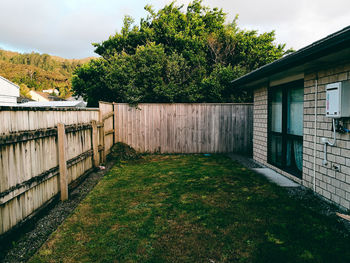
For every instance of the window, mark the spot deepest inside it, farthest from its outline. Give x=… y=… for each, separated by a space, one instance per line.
x=285 y=140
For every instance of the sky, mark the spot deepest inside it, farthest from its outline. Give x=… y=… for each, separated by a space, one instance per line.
x=67 y=28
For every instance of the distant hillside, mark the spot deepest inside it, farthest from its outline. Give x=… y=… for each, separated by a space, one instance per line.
x=39 y=71
x=82 y=60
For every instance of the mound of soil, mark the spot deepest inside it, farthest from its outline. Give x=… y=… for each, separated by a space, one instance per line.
x=123 y=152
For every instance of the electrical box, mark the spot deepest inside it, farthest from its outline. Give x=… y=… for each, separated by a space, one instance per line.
x=338 y=99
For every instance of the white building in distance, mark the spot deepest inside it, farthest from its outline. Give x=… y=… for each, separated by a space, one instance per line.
x=9 y=92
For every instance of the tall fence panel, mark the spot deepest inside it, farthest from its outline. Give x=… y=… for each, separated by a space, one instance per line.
x=29 y=161
x=185 y=128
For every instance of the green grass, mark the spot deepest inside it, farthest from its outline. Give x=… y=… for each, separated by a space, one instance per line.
x=192 y=208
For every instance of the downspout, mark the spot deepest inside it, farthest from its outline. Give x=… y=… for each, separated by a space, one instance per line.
x=315 y=132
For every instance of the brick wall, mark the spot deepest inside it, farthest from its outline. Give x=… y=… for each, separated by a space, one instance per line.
x=260 y=125
x=331 y=184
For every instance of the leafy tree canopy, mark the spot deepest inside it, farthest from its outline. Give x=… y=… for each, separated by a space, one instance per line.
x=175 y=55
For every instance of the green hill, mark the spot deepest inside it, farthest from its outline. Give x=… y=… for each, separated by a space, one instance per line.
x=39 y=71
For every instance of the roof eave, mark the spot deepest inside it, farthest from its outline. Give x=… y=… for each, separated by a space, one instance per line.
x=331 y=43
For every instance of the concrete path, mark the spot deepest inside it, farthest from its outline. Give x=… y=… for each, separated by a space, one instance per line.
x=275 y=177
x=270 y=174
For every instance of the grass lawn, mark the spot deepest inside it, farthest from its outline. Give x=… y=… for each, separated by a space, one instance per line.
x=192 y=208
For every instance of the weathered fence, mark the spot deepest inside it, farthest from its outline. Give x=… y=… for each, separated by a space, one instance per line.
x=185 y=128
x=37 y=158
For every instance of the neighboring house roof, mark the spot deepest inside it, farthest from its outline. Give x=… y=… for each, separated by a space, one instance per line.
x=8 y=92
x=9 y=82
x=78 y=104
x=46 y=96
x=5 y=84
x=331 y=49
x=79 y=98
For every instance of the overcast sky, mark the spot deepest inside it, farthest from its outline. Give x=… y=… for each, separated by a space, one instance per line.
x=68 y=27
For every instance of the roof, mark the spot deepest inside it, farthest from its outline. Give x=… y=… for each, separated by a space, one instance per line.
x=53 y=104
x=332 y=43
x=9 y=82
x=79 y=98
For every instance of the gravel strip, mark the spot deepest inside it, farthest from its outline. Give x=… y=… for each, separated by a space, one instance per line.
x=319 y=204
x=244 y=160
x=35 y=233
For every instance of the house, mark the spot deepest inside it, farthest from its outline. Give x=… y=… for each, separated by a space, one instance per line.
x=73 y=98
x=301 y=116
x=9 y=92
x=52 y=91
x=43 y=96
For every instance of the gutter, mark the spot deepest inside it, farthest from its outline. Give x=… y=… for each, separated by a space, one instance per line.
x=327 y=45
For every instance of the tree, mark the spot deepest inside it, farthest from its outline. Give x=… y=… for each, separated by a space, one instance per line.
x=175 y=55
x=24 y=91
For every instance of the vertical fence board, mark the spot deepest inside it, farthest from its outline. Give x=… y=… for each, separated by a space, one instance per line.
x=61 y=135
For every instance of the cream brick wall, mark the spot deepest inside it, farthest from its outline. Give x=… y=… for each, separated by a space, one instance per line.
x=260 y=125
x=331 y=184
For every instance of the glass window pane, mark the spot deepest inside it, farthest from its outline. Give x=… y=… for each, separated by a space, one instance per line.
x=295 y=111
x=294 y=158
x=276 y=149
x=276 y=110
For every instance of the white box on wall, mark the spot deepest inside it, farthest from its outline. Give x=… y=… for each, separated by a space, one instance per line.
x=338 y=99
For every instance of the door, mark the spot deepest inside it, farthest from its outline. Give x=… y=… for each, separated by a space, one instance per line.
x=285 y=138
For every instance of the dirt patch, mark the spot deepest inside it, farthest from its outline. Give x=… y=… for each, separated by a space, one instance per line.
x=123 y=152
x=25 y=241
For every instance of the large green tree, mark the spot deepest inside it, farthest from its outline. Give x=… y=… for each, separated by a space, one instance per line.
x=175 y=55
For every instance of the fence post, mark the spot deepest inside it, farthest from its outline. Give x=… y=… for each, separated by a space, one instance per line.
x=102 y=135
x=115 y=122
x=95 y=143
x=61 y=134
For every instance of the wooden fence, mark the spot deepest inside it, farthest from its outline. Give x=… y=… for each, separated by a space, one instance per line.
x=39 y=160
x=43 y=150
x=185 y=128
